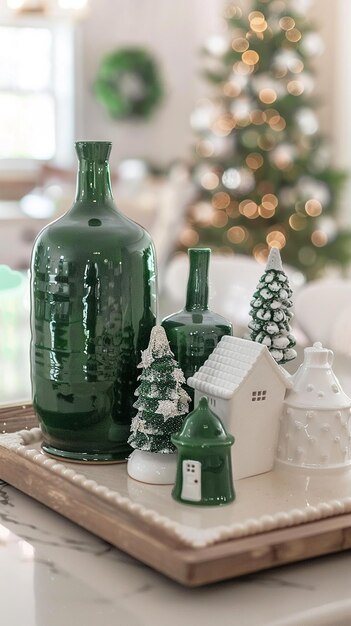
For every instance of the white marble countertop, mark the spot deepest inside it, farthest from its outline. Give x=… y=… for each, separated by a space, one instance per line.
x=53 y=573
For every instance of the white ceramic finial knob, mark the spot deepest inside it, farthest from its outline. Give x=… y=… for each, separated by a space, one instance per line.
x=317 y=356
x=274 y=261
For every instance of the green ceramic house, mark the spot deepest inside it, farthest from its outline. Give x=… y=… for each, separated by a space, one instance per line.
x=204 y=471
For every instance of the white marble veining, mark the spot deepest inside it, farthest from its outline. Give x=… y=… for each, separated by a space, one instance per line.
x=53 y=573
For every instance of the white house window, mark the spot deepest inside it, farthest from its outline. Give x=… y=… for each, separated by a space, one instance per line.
x=36 y=90
x=258 y=396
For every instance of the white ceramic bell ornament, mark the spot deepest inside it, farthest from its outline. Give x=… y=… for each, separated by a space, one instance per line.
x=315 y=424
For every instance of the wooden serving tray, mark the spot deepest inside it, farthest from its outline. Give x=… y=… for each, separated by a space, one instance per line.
x=194 y=545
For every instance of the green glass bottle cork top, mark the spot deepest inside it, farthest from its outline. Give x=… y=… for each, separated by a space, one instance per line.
x=98 y=151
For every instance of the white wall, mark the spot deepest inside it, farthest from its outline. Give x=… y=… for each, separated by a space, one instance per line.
x=341 y=101
x=324 y=18
x=334 y=87
x=174 y=31
x=332 y=19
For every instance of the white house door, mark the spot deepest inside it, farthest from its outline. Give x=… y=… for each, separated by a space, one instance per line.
x=191 y=488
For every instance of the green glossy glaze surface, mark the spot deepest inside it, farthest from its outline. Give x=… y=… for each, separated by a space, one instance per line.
x=93 y=304
x=203 y=438
x=194 y=332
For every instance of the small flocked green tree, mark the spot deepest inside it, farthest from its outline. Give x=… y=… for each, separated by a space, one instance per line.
x=162 y=402
x=271 y=311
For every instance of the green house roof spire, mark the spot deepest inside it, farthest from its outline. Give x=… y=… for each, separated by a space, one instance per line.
x=202 y=428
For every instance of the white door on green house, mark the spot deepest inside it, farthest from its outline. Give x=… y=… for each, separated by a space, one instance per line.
x=191 y=489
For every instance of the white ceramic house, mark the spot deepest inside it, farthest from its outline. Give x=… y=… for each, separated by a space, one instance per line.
x=245 y=387
x=315 y=427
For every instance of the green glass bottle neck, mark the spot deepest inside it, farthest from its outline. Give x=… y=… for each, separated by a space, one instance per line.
x=197 y=291
x=93 y=181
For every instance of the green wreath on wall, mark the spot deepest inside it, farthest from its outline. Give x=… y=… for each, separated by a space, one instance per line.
x=128 y=84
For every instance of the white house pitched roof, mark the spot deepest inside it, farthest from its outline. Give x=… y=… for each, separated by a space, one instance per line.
x=229 y=365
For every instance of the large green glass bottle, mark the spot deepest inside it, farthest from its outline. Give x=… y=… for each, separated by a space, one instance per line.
x=93 y=304
x=194 y=332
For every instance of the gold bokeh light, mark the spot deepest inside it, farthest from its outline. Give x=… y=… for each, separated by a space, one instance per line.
x=286 y=23
x=269 y=201
x=249 y=209
x=258 y=26
x=276 y=239
x=250 y=57
x=240 y=44
x=254 y=160
x=231 y=10
x=210 y=180
x=265 y=212
x=233 y=208
x=267 y=96
x=295 y=87
x=221 y=200
x=319 y=238
x=257 y=117
x=297 y=222
x=189 y=237
x=269 y=113
x=237 y=234
x=313 y=207
x=219 y=219
x=224 y=124
x=256 y=15
x=258 y=22
x=277 y=123
x=260 y=253
x=242 y=68
x=297 y=66
x=293 y=35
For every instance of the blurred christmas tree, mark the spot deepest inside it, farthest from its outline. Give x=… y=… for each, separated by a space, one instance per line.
x=262 y=169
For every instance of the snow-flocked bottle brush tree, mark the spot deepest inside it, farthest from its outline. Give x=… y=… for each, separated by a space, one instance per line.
x=162 y=404
x=271 y=311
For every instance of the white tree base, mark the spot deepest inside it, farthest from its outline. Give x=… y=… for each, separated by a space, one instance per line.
x=152 y=467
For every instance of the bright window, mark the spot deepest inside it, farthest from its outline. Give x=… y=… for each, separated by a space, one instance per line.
x=36 y=91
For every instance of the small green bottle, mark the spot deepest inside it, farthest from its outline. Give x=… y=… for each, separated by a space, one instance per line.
x=194 y=332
